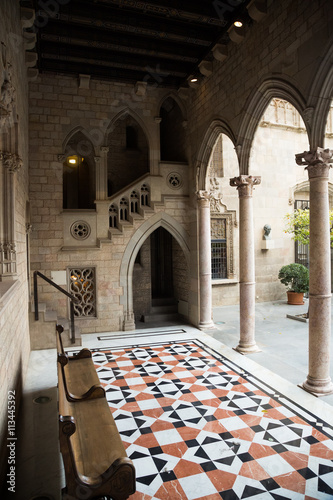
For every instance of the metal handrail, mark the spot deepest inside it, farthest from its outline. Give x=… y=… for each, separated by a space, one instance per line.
x=72 y=298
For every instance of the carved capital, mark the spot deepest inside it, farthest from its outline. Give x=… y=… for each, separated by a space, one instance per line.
x=97 y=159
x=61 y=157
x=11 y=161
x=244 y=184
x=28 y=228
x=203 y=195
x=104 y=149
x=316 y=162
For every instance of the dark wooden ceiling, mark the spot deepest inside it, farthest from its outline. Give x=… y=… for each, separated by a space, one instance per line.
x=160 y=42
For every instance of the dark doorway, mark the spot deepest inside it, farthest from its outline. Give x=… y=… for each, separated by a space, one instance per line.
x=161 y=264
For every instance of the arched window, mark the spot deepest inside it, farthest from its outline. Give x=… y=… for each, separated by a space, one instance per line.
x=145 y=195
x=134 y=202
x=123 y=209
x=79 y=174
x=113 y=214
x=172 y=132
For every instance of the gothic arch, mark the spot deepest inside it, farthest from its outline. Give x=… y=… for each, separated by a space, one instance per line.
x=72 y=134
x=177 y=99
x=172 y=129
x=160 y=219
x=321 y=95
x=123 y=114
x=216 y=128
x=256 y=105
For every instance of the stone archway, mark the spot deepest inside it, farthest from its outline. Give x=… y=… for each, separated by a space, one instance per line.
x=158 y=220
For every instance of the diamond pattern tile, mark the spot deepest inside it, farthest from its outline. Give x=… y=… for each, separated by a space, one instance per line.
x=197 y=427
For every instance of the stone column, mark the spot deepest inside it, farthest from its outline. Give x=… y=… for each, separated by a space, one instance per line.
x=11 y=164
x=102 y=174
x=205 y=266
x=318 y=381
x=244 y=185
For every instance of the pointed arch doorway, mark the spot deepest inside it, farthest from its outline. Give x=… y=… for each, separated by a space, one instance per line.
x=161 y=266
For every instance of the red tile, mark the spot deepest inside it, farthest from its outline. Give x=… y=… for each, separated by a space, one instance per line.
x=185 y=468
x=188 y=433
x=168 y=491
x=140 y=496
x=246 y=434
x=215 y=426
x=253 y=470
x=175 y=449
x=296 y=460
x=251 y=420
x=292 y=481
x=147 y=441
x=260 y=450
x=161 y=425
x=322 y=451
x=222 y=480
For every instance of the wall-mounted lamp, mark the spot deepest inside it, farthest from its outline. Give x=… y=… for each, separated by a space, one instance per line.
x=238 y=24
x=74 y=160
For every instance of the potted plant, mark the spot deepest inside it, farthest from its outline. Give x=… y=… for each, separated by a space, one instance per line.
x=296 y=279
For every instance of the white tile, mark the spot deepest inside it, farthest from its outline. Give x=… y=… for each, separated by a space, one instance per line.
x=275 y=465
x=197 y=486
x=148 y=404
x=168 y=436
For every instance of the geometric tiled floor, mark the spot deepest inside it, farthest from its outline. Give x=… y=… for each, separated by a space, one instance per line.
x=199 y=427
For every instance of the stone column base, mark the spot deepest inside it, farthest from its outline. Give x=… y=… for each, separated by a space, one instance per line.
x=247 y=348
x=318 y=387
x=207 y=325
x=129 y=322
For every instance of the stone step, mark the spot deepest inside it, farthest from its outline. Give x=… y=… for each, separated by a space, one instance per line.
x=161 y=318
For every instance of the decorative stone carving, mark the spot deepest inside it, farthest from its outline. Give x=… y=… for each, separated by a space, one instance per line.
x=174 y=180
x=80 y=230
x=28 y=228
x=7 y=90
x=317 y=161
x=61 y=157
x=244 y=184
x=105 y=149
x=11 y=161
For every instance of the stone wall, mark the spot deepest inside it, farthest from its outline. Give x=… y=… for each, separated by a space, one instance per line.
x=14 y=327
x=59 y=108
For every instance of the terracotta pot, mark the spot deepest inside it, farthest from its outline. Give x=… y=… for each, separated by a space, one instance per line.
x=295 y=298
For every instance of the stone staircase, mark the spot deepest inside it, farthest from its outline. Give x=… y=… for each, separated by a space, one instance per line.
x=42 y=332
x=163 y=310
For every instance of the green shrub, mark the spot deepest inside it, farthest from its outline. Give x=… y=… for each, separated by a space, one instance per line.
x=295 y=277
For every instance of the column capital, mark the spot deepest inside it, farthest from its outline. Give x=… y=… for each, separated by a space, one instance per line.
x=317 y=162
x=244 y=184
x=11 y=161
x=104 y=149
x=203 y=195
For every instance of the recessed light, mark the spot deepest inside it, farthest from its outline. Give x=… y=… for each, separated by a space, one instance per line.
x=238 y=24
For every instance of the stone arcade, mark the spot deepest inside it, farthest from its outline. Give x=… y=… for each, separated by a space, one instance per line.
x=121 y=190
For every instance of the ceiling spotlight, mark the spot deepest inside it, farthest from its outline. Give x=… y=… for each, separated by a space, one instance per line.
x=193 y=80
x=238 y=24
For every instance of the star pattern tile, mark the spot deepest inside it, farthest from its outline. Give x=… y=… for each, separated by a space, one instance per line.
x=196 y=427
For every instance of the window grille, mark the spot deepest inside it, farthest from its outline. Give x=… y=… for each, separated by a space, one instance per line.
x=219 y=249
x=82 y=284
x=219 y=259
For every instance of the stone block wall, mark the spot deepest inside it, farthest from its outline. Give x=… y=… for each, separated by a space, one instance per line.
x=14 y=326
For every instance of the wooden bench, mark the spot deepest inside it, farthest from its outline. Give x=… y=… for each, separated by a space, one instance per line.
x=78 y=373
x=95 y=461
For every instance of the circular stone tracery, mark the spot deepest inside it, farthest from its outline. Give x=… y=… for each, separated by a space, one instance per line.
x=80 y=230
x=174 y=180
